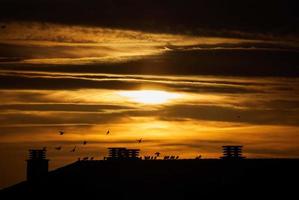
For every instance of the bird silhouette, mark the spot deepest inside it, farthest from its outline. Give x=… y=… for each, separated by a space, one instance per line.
x=74 y=149
x=58 y=148
x=61 y=132
x=84 y=142
x=140 y=140
x=157 y=154
x=85 y=158
x=108 y=132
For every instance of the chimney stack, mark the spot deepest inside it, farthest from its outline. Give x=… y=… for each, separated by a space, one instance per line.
x=232 y=152
x=37 y=164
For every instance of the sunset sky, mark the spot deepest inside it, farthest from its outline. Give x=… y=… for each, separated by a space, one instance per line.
x=185 y=76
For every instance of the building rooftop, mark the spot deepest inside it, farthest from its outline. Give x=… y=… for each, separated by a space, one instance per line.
x=128 y=178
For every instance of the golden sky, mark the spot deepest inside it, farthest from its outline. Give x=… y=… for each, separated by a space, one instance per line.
x=183 y=95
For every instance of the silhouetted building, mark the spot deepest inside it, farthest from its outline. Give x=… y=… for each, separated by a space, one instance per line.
x=232 y=152
x=170 y=179
x=123 y=154
x=37 y=164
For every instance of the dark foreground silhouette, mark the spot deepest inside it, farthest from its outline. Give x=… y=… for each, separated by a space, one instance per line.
x=179 y=179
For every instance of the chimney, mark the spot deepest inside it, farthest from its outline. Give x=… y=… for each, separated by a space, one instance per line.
x=37 y=164
x=232 y=152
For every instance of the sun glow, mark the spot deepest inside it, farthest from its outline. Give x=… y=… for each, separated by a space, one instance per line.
x=149 y=96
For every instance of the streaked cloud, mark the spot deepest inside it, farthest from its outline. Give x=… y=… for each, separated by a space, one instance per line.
x=48 y=43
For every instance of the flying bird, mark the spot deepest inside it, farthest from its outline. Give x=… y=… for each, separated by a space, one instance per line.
x=108 y=132
x=74 y=149
x=84 y=142
x=140 y=140
x=61 y=132
x=58 y=148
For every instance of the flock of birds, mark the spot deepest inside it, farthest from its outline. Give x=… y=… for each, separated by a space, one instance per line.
x=74 y=149
x=157 y=154
x=62 y=132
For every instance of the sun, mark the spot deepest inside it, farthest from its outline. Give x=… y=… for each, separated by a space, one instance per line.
x=149 y=96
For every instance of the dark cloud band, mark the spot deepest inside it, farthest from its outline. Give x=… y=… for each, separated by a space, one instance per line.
x=278 y=17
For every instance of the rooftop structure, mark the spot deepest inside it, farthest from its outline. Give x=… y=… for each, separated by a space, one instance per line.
x=123 y=154
x=37 y=154
x=37 y=164
x=232 y=152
